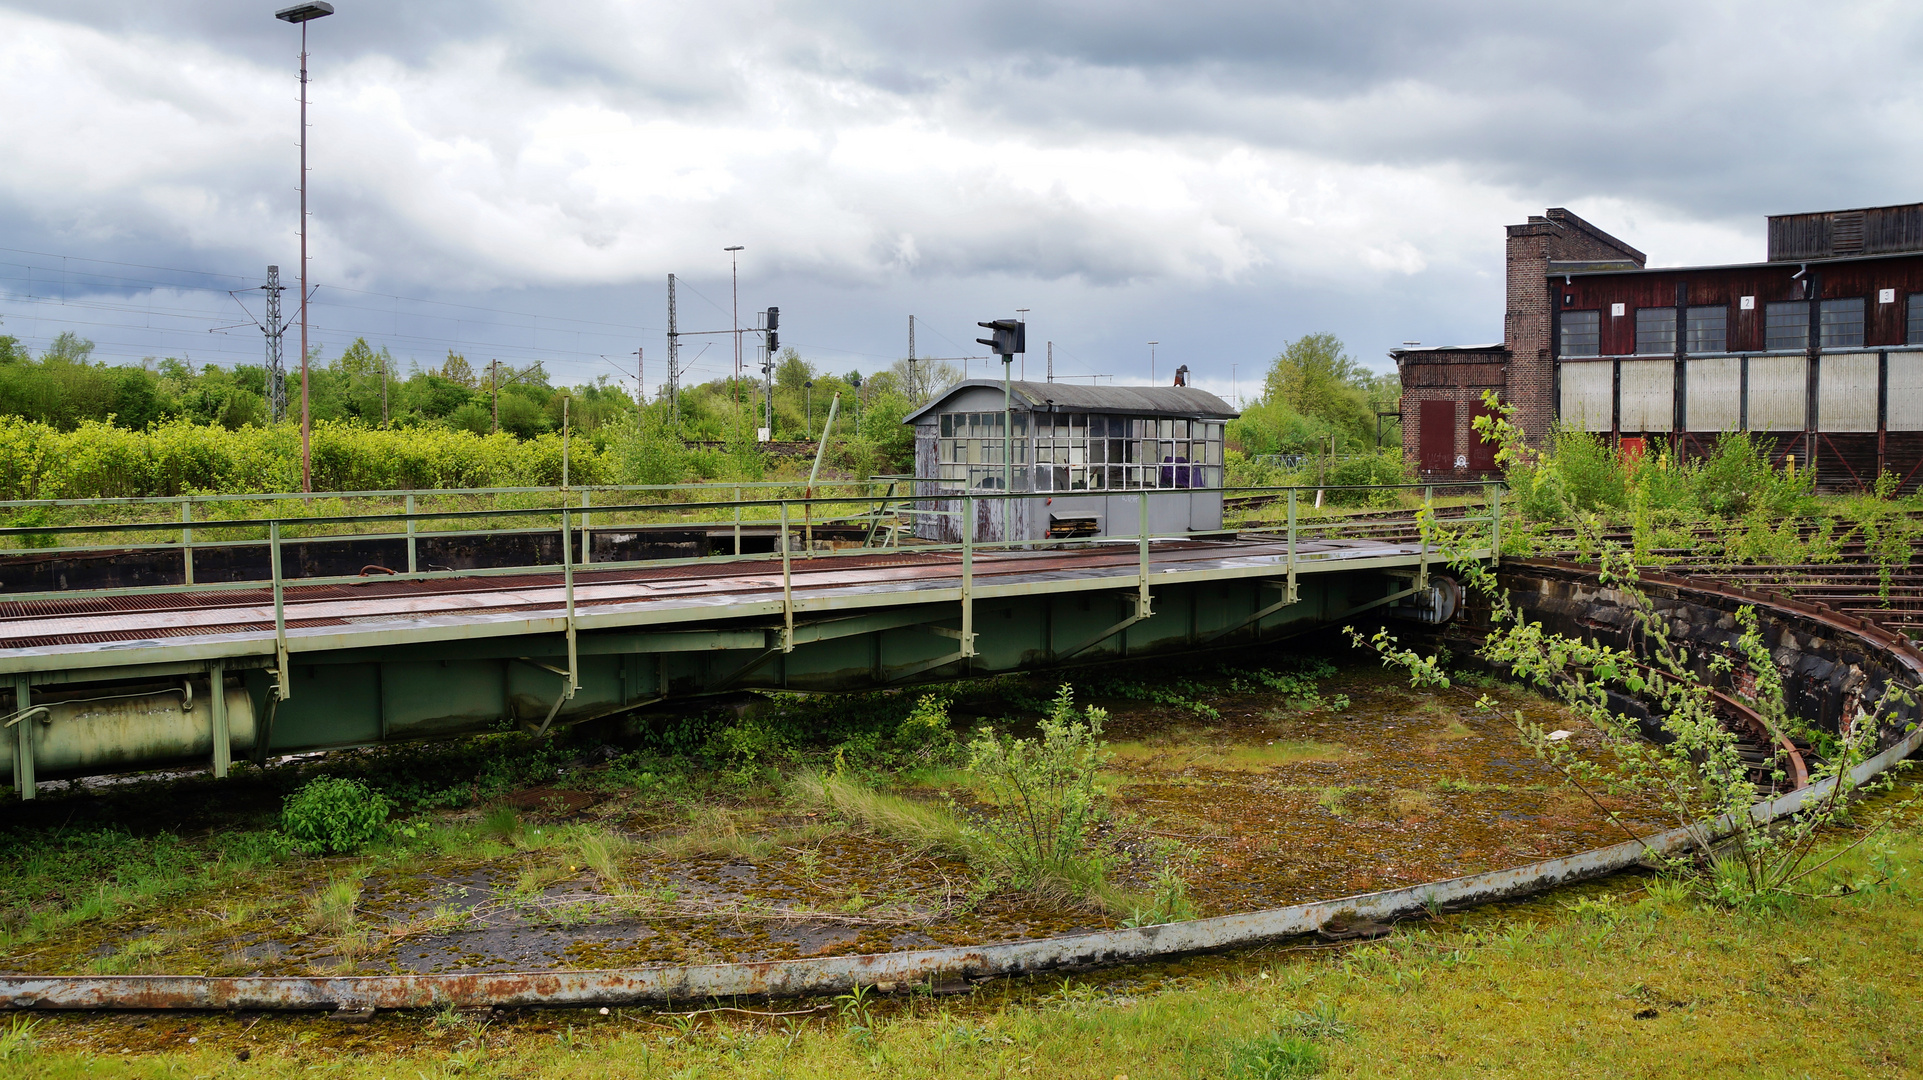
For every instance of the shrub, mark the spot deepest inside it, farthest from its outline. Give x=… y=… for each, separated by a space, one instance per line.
x=333 y=815
x=1736 y=478
x=1373 y=469
x=1043 y=798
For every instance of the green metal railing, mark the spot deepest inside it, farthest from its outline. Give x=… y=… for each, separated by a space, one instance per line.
x=568 y=520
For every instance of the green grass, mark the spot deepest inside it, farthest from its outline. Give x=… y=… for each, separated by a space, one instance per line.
x=923 y=826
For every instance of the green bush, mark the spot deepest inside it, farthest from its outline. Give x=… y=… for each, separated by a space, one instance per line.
x=1369 y=470
x=333 y=816
x=1736 y=478
x=1042 y=799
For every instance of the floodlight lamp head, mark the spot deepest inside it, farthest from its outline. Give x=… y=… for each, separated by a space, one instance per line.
x=301 y=13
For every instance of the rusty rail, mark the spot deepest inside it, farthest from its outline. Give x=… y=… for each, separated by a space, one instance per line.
x=838 y=974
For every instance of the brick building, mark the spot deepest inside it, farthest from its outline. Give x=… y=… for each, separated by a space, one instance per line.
x=1817 y=351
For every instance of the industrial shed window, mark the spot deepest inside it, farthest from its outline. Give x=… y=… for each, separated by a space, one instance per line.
x=1786 y=325
x=969 y=454
x=1581 y=333
x=1655 y=331
x=1842 y=323
x=1707 y=329
x=1098 y=452
x=1915 y=334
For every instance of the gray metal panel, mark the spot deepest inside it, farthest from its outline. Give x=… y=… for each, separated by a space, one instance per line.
x=1205 y=510
x=1778 y=392
x=1586 y=393
x=1648 y=395
x=1715 y=394
x=1906 y=392
x=1846 y=392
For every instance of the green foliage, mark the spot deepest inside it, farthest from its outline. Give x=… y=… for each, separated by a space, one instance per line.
x=1694 y=768
x=1183 y=694
x=1314 y=391
x=1367 y=470
x=1042 y=798
x=333 y=816
x=1736 y=479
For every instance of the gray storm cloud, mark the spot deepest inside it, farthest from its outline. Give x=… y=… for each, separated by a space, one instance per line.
x=1217 y=149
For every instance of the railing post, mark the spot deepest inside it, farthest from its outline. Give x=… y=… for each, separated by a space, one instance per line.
x=1141 y=569
x=968 y=576
x=217 y=707
x=1422 y=565
x=567 y=579
x=280 y=612
x=587 y=522
x=787 y=587
x=23 y=780
x=737 y=519
x=1495 y=526
x=412 y=561
x=187 y=539
x=1291 y=545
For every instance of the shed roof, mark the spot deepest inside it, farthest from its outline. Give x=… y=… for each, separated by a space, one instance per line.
x=1183 y=401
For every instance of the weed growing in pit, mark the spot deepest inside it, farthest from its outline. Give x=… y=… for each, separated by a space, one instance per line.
x=330 y=910
x=1168 y=899
x=1042 y=798
x=923 y=826
x=334 y=816
x=1179 y=693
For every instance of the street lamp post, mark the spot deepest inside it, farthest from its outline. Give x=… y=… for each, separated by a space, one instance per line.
x=304 y=14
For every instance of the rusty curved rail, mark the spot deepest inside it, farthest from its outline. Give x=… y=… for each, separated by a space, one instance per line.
x=838 y=974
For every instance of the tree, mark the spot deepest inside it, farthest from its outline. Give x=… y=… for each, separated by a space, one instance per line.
x=455 y=370
x=1313 y=391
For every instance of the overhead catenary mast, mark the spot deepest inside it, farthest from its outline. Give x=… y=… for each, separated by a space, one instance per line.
x=674 y=359
x=276 y=369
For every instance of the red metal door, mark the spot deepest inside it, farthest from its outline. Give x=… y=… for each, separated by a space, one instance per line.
x=1438 y=425
x=1482 y=455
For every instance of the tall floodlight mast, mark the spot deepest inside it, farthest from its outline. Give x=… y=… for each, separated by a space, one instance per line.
x=304 y=14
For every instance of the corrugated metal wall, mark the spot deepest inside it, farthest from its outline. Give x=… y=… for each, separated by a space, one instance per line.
x=1648 y=395
x=1906 y=392
x=1778 y=393
x=1846 y=392
x=1715 y=394
x=1587 y=393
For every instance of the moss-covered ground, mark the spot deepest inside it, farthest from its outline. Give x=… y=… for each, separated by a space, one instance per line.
x=1624 y=978
x=1259 y=787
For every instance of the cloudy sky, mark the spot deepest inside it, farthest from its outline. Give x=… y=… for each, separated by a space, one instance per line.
x=517 y=180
